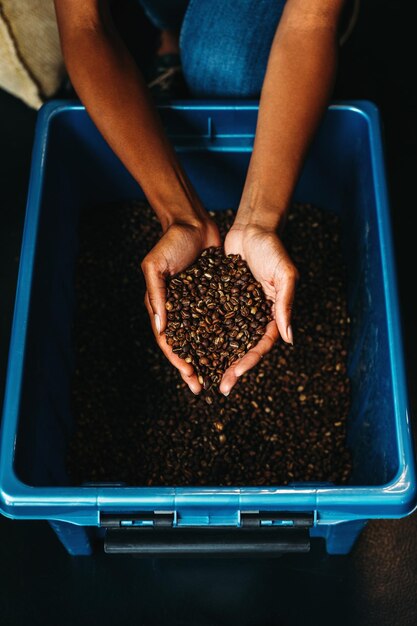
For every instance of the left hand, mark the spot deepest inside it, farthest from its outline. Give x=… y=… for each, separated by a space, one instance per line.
x=269 y=262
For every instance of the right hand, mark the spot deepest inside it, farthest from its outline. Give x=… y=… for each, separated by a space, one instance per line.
x=269 y=262
x=179 y=246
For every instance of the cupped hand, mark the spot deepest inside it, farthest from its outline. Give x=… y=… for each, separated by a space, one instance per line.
x=178 y=247
x=269 y=262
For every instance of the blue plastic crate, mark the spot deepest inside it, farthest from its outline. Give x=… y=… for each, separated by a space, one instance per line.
x=72 y=167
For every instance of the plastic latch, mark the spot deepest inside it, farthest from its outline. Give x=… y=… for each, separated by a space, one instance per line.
x=283 y=519
x=260 y=533
x=153 y=519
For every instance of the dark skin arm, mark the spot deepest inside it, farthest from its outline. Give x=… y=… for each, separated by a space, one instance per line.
x=296 y=89
x=297 y=86
x=111 y=87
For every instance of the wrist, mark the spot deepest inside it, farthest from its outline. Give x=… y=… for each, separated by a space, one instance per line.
x=262 y=213
x=261 y=219
x=176 y=202
x=182 y=215
x=182 y=207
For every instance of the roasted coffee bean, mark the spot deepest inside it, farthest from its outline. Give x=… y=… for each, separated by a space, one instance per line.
x=137 y=422
x=212 y=264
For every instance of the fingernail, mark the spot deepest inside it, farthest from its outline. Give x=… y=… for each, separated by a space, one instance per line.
x=195 y=391
x=226 y=393
x=158 y=324
x=290 y=335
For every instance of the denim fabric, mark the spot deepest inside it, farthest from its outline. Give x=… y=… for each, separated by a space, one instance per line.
x=224 y=44
x=165 y=14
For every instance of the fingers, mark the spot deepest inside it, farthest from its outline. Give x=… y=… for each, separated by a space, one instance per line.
x=186 y=370
x=192 y=382
x=156 y=293
x=283 y=303
x=251 y=358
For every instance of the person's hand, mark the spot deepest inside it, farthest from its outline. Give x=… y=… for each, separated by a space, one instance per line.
x=179 y=246
x=270 y=264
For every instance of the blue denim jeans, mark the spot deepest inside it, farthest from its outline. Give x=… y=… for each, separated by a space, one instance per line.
x=224 y=44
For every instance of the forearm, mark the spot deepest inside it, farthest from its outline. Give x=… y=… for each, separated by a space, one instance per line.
x=295 y=92
x=109 y=84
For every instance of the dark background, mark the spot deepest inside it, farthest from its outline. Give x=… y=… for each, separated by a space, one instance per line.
x=377 y=582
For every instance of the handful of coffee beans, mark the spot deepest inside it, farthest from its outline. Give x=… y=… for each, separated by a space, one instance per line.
x=216 y=312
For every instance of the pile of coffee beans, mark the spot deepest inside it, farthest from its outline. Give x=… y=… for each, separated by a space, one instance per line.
x=137 y=423
x=216 y=312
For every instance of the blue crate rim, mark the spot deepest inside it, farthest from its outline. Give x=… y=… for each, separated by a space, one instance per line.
x=75 y=503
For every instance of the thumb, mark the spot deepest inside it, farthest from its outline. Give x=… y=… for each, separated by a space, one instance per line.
x=283 y=305
x=156 y=287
